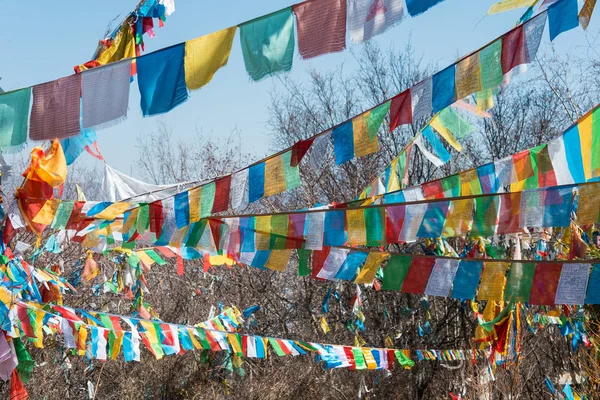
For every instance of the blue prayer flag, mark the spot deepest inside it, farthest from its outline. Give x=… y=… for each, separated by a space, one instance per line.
x=436 y=144
x=433 y=220
x=334 y=233
x=343 y=143
x=573 y=153
x=247 y=234
x=182 y=209
x=562 y=16
x=260 y=259
x=347 y=271
x=558 y=204
x=487 y=177
x=466 y=280
x=443 y=88
x=161 y=80
x=416 y=7
x=256 y=182
x=593 y=289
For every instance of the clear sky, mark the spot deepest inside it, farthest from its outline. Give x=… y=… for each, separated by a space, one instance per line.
x=43 y=40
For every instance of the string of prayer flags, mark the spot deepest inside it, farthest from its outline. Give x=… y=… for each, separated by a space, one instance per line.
x=321 y=27
x=562 y=17
x=161 y=80
x=268 y=44
x=105 y=95
x=368 y=18
x=205 y=55
x=55 y=109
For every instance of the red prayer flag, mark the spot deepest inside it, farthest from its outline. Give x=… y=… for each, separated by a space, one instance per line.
x=318 y=260
x=433 y=190
x=401 y=110
x=156 y=217
x=299 y=150
x=350 y=357
x=509 y=215
x=514 y=51
x=545 y=283
x=23 y=316
x=17 y=389
x=394 y=220
x=321 y=27
x=222 y=188
x=418 y=275
x=180 y=268
x=523 y=166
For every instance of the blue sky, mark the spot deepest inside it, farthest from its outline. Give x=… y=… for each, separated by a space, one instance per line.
x=43 y=40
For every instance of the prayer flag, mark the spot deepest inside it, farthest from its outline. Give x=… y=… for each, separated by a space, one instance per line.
x=333 y=263
x=334 y=232
x=353 y=261
x=205 y=55
x=466 y=279
x=562 y=16
x=534 y=29
x=161 y=80
x=586 y=13
x=321 y=27
x=588 y=208
x=414 y=214
x=268 y=44
x=468 y=77
x=105 y=94
x=401 y=110
x=372 y=264
x=368 y=18
x=364 y=142
x=436 y=144
x=421 y=99
x=518 y=284
x=572 y=284
x=256 y=182
x=433 y=220
x=343 y=142
x=442 y=276
x=514 y=52
x=490 y=58
x=485 y=218
x=356 y=226
x=545 y=283
x=416 y=7
x=55 y=111
x=395 y=272
x=418 y=275
x=492 y=281
x=14 y=115
x=458 y=218
x=507 y=5
x=593 y=287
x=182 y=210
x=443 y=91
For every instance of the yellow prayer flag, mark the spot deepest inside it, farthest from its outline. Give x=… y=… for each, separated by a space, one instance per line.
x=235 y=344
x=194 y=198
x=113 y=211
x=469 y=183
x=493 y=280
x=584 y=126
x=46 y=214
x=145 y=258
x=178 y=236
x=440 y=128
x=263 y=232
x=372 y=264
x=193 y=339
x=363 y=144
x=507 y=5
x=116 y=347
x=393 y=182
x=468 y=76
x=278 y=260
x=81 y=340
x=369 y=359
x=586 y=13
x=205 y=55
x=588 y=209
x=122 y=47
x=39 y=331
x=221 y=260
x=485 y=100
x=357 y=230
x=130 y=220
x=458 y=219
x=274 y=176
x=324 y=325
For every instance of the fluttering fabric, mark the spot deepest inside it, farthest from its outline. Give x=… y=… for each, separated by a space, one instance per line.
x=74 y=146
x=416 y=7
x=268 y=44
x=368 y=18
x=321 y=27
x=205 y=55
x=507 y=5
x=161 y=80
x=55 y=111
x=105 y=94
x=562 y=16
x=14 y=116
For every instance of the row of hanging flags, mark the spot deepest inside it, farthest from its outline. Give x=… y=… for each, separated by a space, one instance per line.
x=99 y=97
x=468 y=202
x=102 y=336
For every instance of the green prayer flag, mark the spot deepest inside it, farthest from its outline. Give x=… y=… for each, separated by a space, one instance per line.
x=26 y=363
x=292 y=174
x=207 y=199
x=14 y=116
x=196 y=232
x=485 y=217
x=268 y=44
x=303 y=256
x=491 y=65
x=359 y=358
x=451 y=185
x=63 y=213
x=596 y=142
x=532 y=182
x=153 y=255
x=455 y=123
x=279 y=229
x=278 y=350
x=133 y=259
x=405 y=361
x=518 y=284
x=202 y=339
x=143 y=218
x=374 y=222
x=395 y=271
x=376 y=118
